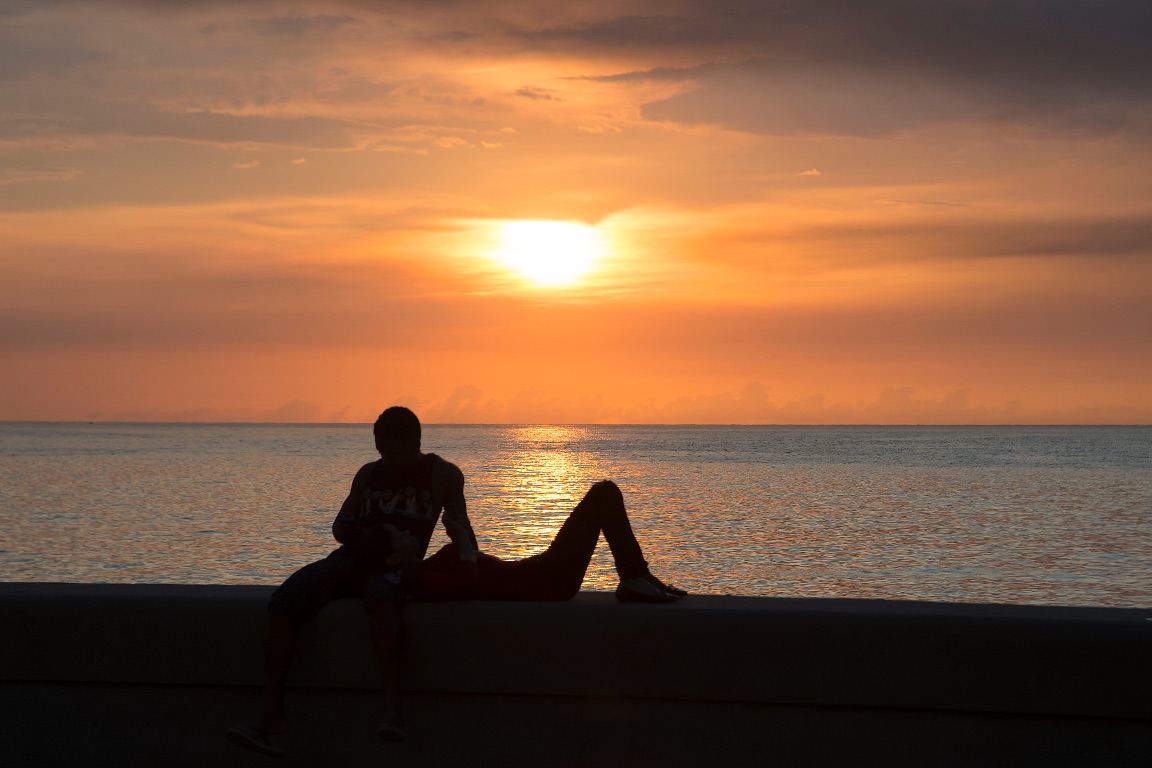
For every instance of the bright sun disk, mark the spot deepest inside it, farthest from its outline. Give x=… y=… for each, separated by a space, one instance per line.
x=549 y=253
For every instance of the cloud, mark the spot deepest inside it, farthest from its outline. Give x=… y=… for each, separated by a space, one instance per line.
x=602 y=128
x=294 y=412
x=37 y=115
x=795 y=99
x=71 y=71
x=291 y=412
x=810 y=172
x=27 y=49
x=874 y=69
x=754 y=404
x=944 y=203
x=298 y=24
x=111 y=296
x=892 y=405
x=25 y=175
x=467 y=405
x=698 y=26
x=246 y=165
x=955 y=234
x=1112 y=236
x=1014 y=41
x=310 y=77
x=535 y=93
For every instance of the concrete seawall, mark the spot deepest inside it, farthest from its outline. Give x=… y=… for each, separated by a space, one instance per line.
x=152 y=675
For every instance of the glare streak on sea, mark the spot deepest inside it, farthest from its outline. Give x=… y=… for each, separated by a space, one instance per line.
x=1042 y=515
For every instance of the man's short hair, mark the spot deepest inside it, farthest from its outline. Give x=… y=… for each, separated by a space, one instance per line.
x=398 y=423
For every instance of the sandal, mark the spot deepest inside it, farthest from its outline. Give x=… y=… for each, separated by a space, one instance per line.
x=251 y=737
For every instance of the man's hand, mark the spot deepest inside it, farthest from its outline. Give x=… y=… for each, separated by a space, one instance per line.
x=459 y=531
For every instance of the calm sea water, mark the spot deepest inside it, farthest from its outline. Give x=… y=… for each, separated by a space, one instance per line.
x=1050 y=515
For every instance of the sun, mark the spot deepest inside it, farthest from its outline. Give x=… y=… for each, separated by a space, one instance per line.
x=550 y=254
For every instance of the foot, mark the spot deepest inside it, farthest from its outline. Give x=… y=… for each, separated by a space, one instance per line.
x=391 y=729
x=640 y=590
x=665 y=587
x=253 y=738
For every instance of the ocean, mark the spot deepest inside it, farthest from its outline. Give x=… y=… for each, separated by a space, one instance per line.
x=1040 y=515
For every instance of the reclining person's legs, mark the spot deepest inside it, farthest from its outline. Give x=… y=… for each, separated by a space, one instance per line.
x=602 y=509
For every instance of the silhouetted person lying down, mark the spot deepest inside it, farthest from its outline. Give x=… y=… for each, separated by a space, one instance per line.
x=458 y=572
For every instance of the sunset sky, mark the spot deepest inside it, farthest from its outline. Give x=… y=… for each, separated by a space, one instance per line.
x=828 y=211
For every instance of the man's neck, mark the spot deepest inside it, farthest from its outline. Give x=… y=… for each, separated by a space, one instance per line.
x=398 y=464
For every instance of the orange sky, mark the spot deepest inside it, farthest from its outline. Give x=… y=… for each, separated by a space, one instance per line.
x=828 y=212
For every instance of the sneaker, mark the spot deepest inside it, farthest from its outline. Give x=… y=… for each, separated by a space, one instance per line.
x=666 y=588
x=642 y=591
x=391 y=730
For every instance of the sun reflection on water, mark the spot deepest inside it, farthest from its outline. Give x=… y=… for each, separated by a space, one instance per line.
x=539 y=486
x=520 y=496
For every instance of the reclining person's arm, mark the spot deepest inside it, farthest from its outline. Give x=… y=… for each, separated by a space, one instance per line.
x=452 y=573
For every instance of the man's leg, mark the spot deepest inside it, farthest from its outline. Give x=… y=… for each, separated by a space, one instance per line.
x=601 y=509
x=296 y=600
x=609 y=502
x=384 y=601
x=260 y=734
x=278 y=647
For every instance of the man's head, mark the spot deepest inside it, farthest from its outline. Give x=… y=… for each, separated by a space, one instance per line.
x=397 y=435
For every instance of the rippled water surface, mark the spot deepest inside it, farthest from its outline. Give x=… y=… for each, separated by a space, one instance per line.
x=1054 y=515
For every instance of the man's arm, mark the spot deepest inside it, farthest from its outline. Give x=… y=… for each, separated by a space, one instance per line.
x=344 y=527
x=456 y=522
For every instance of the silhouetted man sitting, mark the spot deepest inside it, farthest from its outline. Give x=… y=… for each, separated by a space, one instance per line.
x=404 y=491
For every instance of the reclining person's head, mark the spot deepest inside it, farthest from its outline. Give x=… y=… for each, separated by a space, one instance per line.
x=386 y=548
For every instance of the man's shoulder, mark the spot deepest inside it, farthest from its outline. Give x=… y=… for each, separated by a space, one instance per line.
x=445 y=471
x=368 y=467
x=365 y=471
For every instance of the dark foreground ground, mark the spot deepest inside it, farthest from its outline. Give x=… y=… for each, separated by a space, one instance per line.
x=152 y=675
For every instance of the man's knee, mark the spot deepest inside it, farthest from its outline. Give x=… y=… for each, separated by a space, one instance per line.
x=606 y=490
x=307 y=590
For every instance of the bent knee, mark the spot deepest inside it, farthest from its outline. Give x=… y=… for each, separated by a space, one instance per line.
x=607 y=489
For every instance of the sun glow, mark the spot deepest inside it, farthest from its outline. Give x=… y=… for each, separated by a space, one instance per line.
x=549 y=253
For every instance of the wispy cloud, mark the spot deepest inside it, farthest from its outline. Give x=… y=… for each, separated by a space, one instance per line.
x=944 y=203
x=25 y=175
x=298 y=24
x=535 y=93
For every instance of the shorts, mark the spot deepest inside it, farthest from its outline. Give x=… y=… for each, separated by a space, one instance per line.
x=305 y=592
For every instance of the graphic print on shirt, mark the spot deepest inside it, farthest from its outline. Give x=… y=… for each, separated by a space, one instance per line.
x=408 y=503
